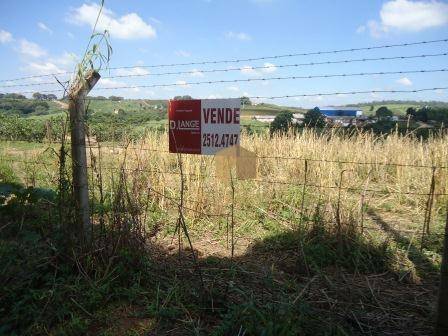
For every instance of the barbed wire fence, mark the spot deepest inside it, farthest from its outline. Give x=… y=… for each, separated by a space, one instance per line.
x=265 y=180
x=194 y=206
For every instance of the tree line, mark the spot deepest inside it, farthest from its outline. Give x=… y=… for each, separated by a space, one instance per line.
x=426 y=113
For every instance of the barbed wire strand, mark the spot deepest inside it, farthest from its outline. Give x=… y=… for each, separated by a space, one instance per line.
x=312 y=53
x=257 y=180
x=267 y=157
x=263 y=79
x=251 y=68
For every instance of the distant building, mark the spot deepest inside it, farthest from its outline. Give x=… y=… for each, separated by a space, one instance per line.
x=335 y=112
x=343 y=116
x=264 y=118
x=297 y=118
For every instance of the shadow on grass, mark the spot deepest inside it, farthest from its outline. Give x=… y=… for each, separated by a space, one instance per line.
x=422 y=262
x=317 y=282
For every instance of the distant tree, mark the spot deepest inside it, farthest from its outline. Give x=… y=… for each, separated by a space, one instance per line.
x=2 y=95
x=411 y=111
x=14 y=96
x=314 y=118
x=423 y=114
x=115 y=98
x=383 y=113
x=282 y=122
x=51 y=97
x=37 y=95
x=186 y=97
x=245 y=101
x=372 y=107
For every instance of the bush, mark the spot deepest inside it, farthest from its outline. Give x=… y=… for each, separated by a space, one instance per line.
x=282 y=123
x=314 y=118
x=23 y=106
x=15 y=128
x=383 y=113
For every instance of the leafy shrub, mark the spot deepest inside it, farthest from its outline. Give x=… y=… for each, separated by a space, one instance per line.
x=282 y=123
x=314 y=118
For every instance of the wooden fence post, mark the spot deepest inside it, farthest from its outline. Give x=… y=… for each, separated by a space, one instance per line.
x=442 y=307
x=77 y=109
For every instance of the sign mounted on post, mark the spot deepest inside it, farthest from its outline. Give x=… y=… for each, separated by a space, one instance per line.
x=203 y=126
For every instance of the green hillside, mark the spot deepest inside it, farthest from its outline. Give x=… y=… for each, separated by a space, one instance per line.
x=397 y=107
x=267 y=109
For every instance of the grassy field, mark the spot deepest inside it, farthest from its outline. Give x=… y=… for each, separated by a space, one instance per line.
x=267 y=109
x=159 y=107
x=293 y=256
x=397 y=109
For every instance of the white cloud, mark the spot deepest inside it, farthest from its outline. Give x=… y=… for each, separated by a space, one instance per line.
x=110 y=83
x=404 y=81
x=310 y=99
x=376 y=29
x=67 y=59
x=238 y=36
x=408 y=16
x=249 y=71
x=266 y=69
x=5 y=36
x=42 y=26
x=63 y=63
x=269 y=68
x=182 y=53
x=361 y=29
x=157 y=21
x=233 y=88
x=32 y=49
x=214 y=96
x=41 y=68
x=127 y=27
x=182 y=83
x=196 y=73
x=414 y=15
x=138 y=71
x=150 y=92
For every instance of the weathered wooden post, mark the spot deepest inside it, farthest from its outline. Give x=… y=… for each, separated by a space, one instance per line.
x=442 y=307
x=77 y=109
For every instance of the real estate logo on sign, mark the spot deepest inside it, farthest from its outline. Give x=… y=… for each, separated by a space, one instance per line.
x=203 y=126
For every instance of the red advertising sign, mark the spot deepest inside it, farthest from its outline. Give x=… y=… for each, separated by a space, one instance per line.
x=203 y=126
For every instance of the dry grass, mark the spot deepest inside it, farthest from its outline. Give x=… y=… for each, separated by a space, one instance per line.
x=140 y=183
x=394 y=189
x=153 y=174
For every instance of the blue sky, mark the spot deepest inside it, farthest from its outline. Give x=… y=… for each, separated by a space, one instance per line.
x=40 y=37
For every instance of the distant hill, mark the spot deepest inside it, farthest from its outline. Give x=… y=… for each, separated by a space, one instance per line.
x=267 y=109
x=398 y=107
x=157 y=109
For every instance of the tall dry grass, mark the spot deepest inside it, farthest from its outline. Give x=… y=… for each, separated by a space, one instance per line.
x=397 y=191
x=152 y=181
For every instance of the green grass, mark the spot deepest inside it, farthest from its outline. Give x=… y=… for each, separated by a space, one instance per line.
x=397 y=109
x=267 y=109
x=120 y=288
